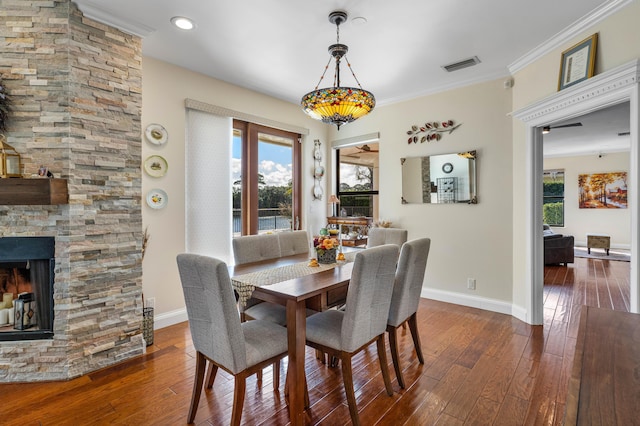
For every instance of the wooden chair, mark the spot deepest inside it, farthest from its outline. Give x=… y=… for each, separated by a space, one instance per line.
x=380 y=236
x=343 y=334
x=241 y=349
x=406 y=296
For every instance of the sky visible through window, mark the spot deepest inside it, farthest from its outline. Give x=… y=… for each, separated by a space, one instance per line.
x=275 y=164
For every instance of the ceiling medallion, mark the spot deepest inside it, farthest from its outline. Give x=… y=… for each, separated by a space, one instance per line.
x=338 y=105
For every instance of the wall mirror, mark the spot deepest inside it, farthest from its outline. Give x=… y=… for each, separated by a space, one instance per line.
x=439 y=179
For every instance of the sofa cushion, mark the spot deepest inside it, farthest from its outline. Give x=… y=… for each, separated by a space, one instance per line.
x=552 y=236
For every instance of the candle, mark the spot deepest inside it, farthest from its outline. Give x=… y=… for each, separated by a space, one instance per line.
x=7 y=300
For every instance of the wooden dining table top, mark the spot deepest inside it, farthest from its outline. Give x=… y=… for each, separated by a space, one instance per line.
x=299 y=288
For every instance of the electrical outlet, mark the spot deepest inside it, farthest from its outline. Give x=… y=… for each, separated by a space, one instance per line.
x=471 y=283
x=150 y=302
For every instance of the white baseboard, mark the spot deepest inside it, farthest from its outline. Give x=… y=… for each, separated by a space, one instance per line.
x=180 y=315
x=169 y=318
x=484 y=303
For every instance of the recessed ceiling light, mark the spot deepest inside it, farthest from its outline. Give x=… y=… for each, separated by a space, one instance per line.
x=183 y=23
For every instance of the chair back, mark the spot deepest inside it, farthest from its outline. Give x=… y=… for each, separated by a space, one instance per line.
x=253 y=248
x=381 y=236
x=211 y=309
x=369 y=296
x=293 y=242
x=409 y=279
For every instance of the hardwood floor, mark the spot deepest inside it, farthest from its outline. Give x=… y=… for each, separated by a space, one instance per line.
x=481 y=368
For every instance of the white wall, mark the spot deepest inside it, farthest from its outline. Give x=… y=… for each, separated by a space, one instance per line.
x=579 y=222
x=165 y=88
x=468 y=241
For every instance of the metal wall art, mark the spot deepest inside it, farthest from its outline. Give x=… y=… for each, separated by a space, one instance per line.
x=432 y=131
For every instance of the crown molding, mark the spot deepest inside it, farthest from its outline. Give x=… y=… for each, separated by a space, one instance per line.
x=128 y=26
x=597 y=15
x=601 y=86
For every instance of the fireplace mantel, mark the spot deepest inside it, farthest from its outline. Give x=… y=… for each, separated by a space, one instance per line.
x=18 y=191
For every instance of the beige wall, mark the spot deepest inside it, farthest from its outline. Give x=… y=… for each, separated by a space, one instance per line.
x=468 y=241
x=618 y=43
x=579 y=222
x=486 y=241
x=165 y=88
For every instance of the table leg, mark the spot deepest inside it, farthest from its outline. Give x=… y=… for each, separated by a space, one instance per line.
x=296 y=331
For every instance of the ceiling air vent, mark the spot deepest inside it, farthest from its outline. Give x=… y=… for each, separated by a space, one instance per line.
x=465 y=63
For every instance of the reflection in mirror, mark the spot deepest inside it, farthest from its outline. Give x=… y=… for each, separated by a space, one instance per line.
x=437 y=179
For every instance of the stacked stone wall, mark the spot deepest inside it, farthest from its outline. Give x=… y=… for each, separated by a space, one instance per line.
x=75 y=86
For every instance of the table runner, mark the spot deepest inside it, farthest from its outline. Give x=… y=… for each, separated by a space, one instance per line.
x=246 y=283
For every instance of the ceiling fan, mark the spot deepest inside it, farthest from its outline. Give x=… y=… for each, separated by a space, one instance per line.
x=366 y=148
x=547 y=129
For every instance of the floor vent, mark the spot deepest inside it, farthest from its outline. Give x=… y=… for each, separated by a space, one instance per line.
x=465 y=63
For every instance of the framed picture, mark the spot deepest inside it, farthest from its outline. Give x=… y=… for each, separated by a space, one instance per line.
x=578 y=62
x=602 y=190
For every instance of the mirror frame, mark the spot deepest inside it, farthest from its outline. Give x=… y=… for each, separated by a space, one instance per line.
x=473 y=184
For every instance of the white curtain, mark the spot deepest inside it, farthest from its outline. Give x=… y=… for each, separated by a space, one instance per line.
x=208 y=184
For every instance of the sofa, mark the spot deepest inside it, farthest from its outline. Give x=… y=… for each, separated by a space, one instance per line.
x=558 y=248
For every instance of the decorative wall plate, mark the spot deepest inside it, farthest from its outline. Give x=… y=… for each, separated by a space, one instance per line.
x=156 y=134
x=157 y=198
x=155 y=166
x=318 y=172
x=317 y=192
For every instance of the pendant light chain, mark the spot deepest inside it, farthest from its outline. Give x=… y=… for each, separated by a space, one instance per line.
x=353 y=73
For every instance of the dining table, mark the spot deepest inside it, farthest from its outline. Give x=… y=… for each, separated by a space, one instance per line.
x=292 y=282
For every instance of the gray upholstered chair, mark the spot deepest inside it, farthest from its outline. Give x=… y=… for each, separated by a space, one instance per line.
x=254 y=248
x=406 y=296
x=293 y=242
x=219 y=337
x=380 y=236
x=343 y=334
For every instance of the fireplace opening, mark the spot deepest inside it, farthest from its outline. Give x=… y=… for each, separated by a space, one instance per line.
x=26 y=288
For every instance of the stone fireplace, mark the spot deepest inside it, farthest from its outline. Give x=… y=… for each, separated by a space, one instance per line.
x=75 y=87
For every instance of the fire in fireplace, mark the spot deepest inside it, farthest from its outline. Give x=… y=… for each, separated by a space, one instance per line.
x=26 y=288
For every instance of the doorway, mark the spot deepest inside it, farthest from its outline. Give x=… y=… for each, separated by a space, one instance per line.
x=610 y=88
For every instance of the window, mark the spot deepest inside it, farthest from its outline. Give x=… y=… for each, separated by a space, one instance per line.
x=266 y=179
x=553 y=197
x=357 y=179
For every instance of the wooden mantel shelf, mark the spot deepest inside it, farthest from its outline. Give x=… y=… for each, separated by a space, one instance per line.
x=23 y=192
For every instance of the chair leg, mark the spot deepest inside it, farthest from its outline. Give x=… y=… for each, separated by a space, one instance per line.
x=393 y=343
x=382 y=356
x=276 y=375
x=347 y=378
x=238 y=398
x=413 y=326
x=211 y=376
x=201 y=364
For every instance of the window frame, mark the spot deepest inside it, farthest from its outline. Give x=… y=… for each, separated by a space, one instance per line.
x=249 y=173
x=340 y=193
x=555 y=197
